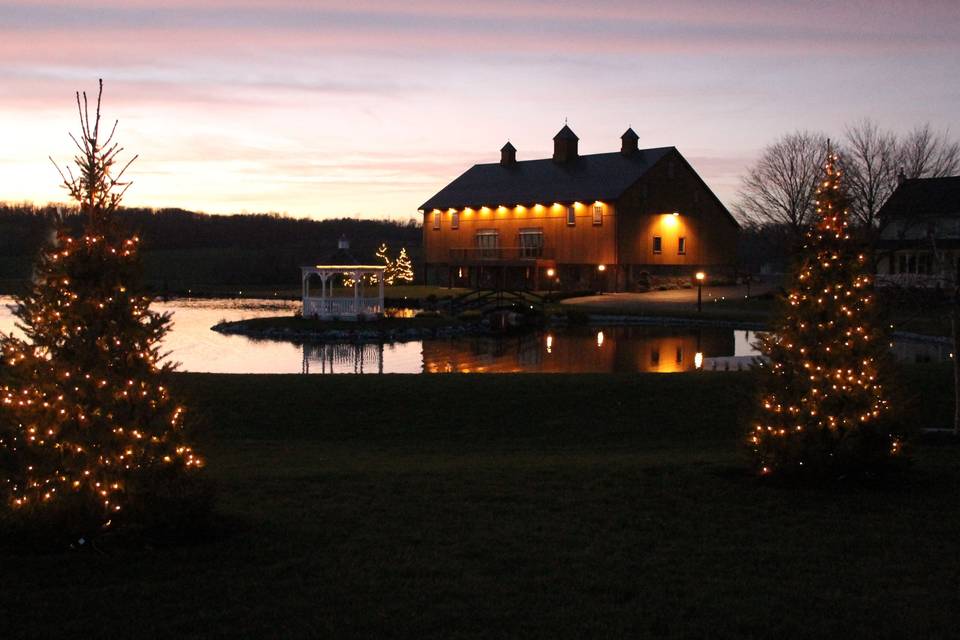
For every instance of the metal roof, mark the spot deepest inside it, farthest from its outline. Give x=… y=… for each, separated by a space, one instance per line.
x=600 y=176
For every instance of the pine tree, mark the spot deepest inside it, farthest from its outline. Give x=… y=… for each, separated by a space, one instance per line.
x=90 y=434
x=824 y=407
x=403 y=269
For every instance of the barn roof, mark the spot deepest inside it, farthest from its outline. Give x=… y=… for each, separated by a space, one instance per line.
x=924 y=197
x=600 y=176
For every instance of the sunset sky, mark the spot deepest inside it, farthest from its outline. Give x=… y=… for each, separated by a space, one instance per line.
x=366 y=108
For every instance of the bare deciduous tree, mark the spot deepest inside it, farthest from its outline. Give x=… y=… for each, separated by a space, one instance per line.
x=780 y=187
x=870 y=160
x=924 y=153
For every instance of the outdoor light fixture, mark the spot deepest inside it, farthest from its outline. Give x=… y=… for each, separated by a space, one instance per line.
x=698 y=360
x=549 y=343
x=599 y=338
x=551 y=273
x=701 y=276
x=601 y=267
x=675 y=213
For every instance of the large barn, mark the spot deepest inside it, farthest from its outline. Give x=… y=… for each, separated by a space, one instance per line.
x=605 y=220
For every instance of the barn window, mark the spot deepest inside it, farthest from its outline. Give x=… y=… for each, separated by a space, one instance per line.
x=657 y=244
x=597 y=213
x=531 y=243
x=436 y=219
x=681 y=245
x=488 y=243
x=571 y=216
x=454 y=219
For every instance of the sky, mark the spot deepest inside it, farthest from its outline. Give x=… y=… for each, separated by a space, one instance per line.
x=364 y=108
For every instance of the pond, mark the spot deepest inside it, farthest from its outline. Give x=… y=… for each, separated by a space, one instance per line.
x=607 y=349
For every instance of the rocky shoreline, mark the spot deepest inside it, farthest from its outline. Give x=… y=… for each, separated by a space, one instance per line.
x=362 y=334
x=358 y=335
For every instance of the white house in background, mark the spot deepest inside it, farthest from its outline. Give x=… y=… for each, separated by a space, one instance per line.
x=920 y=241
x=343 y=293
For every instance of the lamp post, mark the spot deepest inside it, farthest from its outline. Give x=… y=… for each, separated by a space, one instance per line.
x=601 y=269
x=550 y=273
x=701 y=276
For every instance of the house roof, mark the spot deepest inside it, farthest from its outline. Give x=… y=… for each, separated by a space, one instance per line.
x=924 y=197
x=600 y=176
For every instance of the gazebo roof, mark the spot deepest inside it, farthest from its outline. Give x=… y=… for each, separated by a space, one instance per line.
x=343 y=267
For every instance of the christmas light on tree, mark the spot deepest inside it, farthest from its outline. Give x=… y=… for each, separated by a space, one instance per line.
x=403 y=268
x=89 y=430
x=824 y=405
x=390 y=266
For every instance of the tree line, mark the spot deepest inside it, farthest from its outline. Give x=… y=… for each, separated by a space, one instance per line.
x=776 y=200
x=780 y=187
x=184 y=248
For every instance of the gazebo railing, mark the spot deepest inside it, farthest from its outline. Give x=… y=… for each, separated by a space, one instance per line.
x=326 y=307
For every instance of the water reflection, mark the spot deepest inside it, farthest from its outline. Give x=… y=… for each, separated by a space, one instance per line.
x=561 y=350
x=581 y=350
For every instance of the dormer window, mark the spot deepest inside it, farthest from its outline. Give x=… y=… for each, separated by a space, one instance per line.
x=597 y=214
x=571 y=216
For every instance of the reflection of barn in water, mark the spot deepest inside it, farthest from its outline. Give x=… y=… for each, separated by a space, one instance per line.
x=582 y=350
x=342 y=358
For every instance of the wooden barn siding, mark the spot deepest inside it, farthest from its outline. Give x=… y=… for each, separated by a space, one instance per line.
x=584 y=243
x=711 y=238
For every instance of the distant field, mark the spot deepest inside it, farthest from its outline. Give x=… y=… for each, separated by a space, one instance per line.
x=542 y=506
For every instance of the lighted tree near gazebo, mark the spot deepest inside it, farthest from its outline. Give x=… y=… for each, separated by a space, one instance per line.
x=90 y=434
x=824 y=405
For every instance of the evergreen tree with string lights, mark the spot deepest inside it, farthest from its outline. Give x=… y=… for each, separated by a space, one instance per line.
x=824 y=405
x=90 y=435
x=403 y=268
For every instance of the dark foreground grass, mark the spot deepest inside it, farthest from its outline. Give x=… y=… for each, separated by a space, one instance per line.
x=548 y=506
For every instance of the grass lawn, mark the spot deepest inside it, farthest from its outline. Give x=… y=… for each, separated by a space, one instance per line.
x=547 y=506
x=911 y=319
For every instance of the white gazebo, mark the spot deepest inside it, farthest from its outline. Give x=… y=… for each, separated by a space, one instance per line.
x=342 y=270
x=345 y=307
